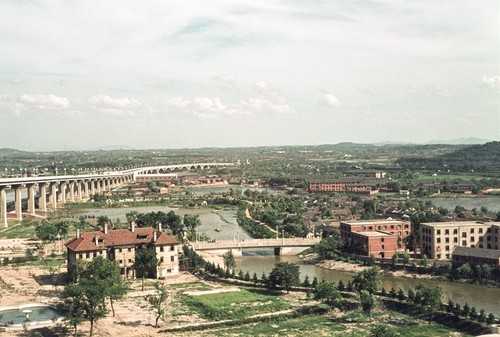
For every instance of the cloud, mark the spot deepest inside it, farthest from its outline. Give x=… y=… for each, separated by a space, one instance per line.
x=116 y=103
x=45 y=102
x=212 y=107
x=491 y=82
x=329 y=100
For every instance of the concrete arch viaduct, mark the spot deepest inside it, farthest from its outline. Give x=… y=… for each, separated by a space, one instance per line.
x=54 y=190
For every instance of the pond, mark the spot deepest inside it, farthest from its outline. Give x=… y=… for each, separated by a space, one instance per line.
x=31 y=314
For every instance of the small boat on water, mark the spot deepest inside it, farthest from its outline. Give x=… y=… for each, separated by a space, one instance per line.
x=217 y=229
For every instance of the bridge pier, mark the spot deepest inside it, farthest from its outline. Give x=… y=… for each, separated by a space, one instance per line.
x=18 y=202
x=42 y=199
x=3 y=207
x=31 y=199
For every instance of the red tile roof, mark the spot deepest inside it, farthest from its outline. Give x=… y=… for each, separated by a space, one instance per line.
x=119 y=237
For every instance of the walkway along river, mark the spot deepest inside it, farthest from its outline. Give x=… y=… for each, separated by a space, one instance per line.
x=259 y=261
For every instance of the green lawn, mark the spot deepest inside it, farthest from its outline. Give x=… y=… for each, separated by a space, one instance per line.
x=19 y=230
x=245 y=303
x=354 y=325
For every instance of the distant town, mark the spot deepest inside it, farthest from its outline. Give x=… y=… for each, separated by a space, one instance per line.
x=217 y=242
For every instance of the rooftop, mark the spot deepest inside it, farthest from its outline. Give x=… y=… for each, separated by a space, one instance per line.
x=373 y=222
x=477 y=252
x=119 y=237
x=459 y=223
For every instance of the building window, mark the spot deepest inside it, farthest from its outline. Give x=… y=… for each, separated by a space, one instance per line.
x=172 y=248
x=161 y=249
x=472 y=238
x=447 y=240
x=438 y=232
x=87 y=255
x=455 y=240
x=464 y=243
x=130 y=249
x=446 y=231
x=80 y=256
x=119 y=250
x=464 y=234
x=438 y=240
x=447 y=248
x=455 y=231
x=172 y=258
x=480 y=231
x=162 y=259
x=472 y=230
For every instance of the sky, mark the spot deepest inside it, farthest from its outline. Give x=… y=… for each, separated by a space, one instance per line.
x=78 y=75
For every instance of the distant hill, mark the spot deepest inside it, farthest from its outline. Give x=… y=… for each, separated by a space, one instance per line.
x=111 y=148
x=485 y=157
x=4 y=151
x=461 y=141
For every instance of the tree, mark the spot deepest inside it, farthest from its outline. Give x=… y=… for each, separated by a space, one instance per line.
x=383 y=331
x=145 y=262
x=368 y=279
x=85 y=299
x=191 y=221
x=174 y=223
x=157 y=301
x=284 y=275
x=429 y=298
x=328 y=247
x=46 y=231
x=328 y=293
x=229 y=262
x=367 y=300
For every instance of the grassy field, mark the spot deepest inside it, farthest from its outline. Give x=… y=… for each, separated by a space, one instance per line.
x=355 y=324
x=18 y=230
x=233 y=305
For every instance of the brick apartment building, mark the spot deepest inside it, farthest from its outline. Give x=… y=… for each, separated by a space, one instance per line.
x=121 y=245
x=439 y=239
x=347 y=184
x=380 y=238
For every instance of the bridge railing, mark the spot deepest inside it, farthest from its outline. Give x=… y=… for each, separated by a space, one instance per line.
x=273 y=242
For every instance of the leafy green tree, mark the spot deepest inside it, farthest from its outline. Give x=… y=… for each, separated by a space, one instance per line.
x=145 y=263
x=490 y=319
x=191 y=221
x=306 y=282
x=174 y=223
x=367 y=300
x=157 y=301
x=46 y=231
x=86 y=299
x=429 y=299
x=368 y=279
x=229 y=262
x=284 y=275
x=383 y=331
x=329 y=246
x=255 y=279
x=328 y=293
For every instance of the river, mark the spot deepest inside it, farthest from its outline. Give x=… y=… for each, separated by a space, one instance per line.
x=490 y=202
x=260 y=261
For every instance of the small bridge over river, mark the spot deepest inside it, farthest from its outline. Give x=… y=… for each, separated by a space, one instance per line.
x=282 y=246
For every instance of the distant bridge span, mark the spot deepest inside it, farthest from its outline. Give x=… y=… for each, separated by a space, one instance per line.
x=282 y=246
x=60 y=189
x=166 y=168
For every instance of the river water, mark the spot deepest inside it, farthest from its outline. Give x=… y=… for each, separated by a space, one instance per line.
x=260 y=261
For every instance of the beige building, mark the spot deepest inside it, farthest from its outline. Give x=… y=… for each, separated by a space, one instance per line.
x=121 y=244
x=439 y=239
